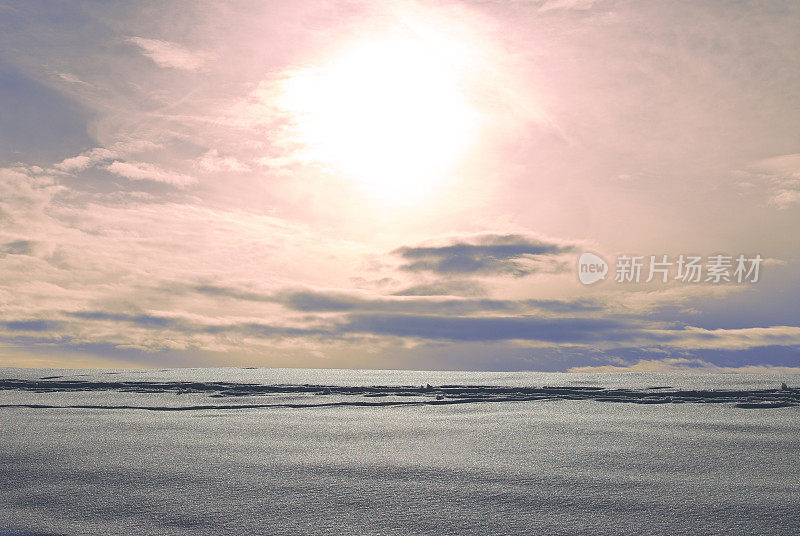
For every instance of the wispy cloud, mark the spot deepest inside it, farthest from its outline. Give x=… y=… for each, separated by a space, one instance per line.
x=72 y=79
x=144 y=171
x=445 y=288
x=212 y=162
x=339 y=301
x=784 y=174
x=779 y=176
x=578 y=5
x=170 y=55
x=99 y=155
x=685 y=365
x=735 y=338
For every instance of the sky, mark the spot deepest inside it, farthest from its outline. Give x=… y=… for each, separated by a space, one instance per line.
x=400 y=185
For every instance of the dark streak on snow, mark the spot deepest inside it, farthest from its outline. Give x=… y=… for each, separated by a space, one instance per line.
x=411 y=395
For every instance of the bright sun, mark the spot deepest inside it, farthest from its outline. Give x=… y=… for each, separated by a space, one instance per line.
x=391 y=115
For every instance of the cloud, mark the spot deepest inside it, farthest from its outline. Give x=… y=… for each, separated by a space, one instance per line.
x=72 y=79
x=231 y=292
x=75 y=163
x=330 y=302
x=566 y=306
x=170 y=55
x=17 y=247
x=212 y=162
x=32 y=325
x=780 y=175
x=58 y=358
x=681 y=364
x=24 y=194
x=510 y=254
x=577 y=5
x=445 y=288
x=149 y=330
x=73 y=251
x=434 y=327
x=144 y=320
x=144 y=171
x=88 y=267
x=788 y=164
x=197 y=325
x=786 y=198
x=339 y=301
x=692 y=337
x=98 y=155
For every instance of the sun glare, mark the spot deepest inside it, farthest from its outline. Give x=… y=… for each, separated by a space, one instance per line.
x=391 y=115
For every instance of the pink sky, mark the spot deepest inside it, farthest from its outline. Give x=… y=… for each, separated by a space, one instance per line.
x=396 y=184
